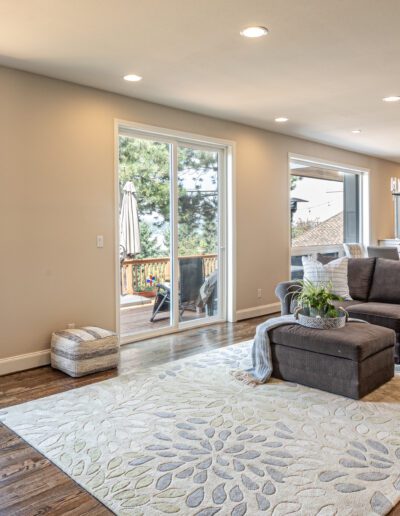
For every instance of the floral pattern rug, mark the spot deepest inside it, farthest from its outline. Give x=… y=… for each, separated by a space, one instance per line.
x=187 y=438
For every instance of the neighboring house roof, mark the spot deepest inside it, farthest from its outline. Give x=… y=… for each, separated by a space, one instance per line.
x=328 y=232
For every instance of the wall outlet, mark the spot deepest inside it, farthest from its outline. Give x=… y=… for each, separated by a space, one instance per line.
x=100 y=241
x=259 y=293
x=71 y=325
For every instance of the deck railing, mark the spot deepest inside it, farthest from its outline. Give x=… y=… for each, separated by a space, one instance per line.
x=136 y=272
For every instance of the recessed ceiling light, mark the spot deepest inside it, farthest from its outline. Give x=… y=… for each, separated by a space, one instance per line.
x=356 y=131
x=132 y=77
x=393 y=98
x=254 y=32
x=281 y=119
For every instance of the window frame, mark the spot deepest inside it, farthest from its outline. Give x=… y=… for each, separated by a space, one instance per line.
x=227 y=228
x=364 y=203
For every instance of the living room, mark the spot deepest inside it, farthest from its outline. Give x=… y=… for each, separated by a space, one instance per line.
x=314 y=96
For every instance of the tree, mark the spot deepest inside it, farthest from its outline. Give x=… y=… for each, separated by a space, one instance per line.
x=148 y=242
x=302 y=226
x=146 y=164
x=293 y=181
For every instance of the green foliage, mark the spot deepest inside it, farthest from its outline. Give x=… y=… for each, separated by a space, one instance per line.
x=146 y=164
x=197 y=161
x=302 y=226
x=294 y=180
x=317 y=299
x=148 y=242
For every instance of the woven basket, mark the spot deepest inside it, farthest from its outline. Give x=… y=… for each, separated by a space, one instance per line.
x=322 y=323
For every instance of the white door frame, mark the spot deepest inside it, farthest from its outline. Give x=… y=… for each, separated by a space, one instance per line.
x=227 y=233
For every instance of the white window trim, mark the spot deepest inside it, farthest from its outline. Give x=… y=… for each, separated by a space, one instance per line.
x=175 y=137
x=364 y=174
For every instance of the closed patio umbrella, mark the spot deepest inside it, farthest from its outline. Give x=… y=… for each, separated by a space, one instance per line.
x=129 y=221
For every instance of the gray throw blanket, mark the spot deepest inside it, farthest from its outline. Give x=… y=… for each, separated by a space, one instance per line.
x=261 y=352
x=261 y=370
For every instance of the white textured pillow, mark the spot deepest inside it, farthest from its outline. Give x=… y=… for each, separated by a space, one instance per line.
x=334 y=272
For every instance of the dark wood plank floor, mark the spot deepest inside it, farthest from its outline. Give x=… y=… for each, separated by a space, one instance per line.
x=32 y=485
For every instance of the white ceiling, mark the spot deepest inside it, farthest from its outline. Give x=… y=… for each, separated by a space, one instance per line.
x=326 y=64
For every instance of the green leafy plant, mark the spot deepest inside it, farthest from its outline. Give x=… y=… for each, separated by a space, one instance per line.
x=147 y=164
x=316 y=299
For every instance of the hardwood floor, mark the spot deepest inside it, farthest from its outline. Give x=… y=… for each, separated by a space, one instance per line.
x=29 y=483
x=136 y=319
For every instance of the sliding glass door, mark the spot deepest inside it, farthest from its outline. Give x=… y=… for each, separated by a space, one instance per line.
x=144 y=234
x=171 y=234
x=198 y=232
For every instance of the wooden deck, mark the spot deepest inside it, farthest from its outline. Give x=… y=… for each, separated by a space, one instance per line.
x=136 y=319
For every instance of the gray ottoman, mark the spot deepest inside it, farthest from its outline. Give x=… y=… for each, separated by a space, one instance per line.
x=350 y=361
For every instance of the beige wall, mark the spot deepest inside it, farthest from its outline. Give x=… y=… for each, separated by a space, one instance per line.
x=57 y=194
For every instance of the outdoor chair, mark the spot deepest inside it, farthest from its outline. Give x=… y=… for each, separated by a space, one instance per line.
x=209 y=294
x=191 y=278
x=390 y=253
x=355 y=250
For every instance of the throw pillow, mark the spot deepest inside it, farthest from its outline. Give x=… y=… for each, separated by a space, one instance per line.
x=334 y=272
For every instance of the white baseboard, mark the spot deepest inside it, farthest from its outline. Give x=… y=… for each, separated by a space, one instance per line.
x=257 y=311
x=41 y=358
x=21 y=362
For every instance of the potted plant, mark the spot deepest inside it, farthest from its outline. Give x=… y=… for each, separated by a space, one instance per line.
x=315 y=306
x=150 y=288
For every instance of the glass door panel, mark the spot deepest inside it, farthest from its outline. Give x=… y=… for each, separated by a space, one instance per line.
x=198 y=233
x=145 y=257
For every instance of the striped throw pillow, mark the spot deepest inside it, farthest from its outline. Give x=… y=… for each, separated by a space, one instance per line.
x=334 y=272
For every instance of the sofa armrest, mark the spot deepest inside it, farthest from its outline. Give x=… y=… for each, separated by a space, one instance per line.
x=284 y=292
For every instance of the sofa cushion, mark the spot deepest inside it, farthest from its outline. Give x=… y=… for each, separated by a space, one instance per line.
x=360 y=275
x=386 y=281
x=345 y=304
x=356 y=341
x=382 y=314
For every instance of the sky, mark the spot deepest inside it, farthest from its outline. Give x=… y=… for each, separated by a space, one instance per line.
x=325 y=199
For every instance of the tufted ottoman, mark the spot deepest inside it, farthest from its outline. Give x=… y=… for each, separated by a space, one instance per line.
x=82 y=351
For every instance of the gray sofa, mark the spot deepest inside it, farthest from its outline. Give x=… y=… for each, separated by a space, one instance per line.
x=374 y=285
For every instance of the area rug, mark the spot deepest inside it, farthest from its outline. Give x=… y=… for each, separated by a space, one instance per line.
x=189 y=439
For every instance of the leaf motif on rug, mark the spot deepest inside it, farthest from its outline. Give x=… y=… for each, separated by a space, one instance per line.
x=188 y=439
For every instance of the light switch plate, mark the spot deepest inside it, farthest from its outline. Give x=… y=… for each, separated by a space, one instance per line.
x=100 y=241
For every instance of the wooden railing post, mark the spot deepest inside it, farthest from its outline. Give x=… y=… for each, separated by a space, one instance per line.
x=129 y=280
x=135 y=272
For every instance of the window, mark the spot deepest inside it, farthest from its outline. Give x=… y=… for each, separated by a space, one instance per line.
x=325 y=210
